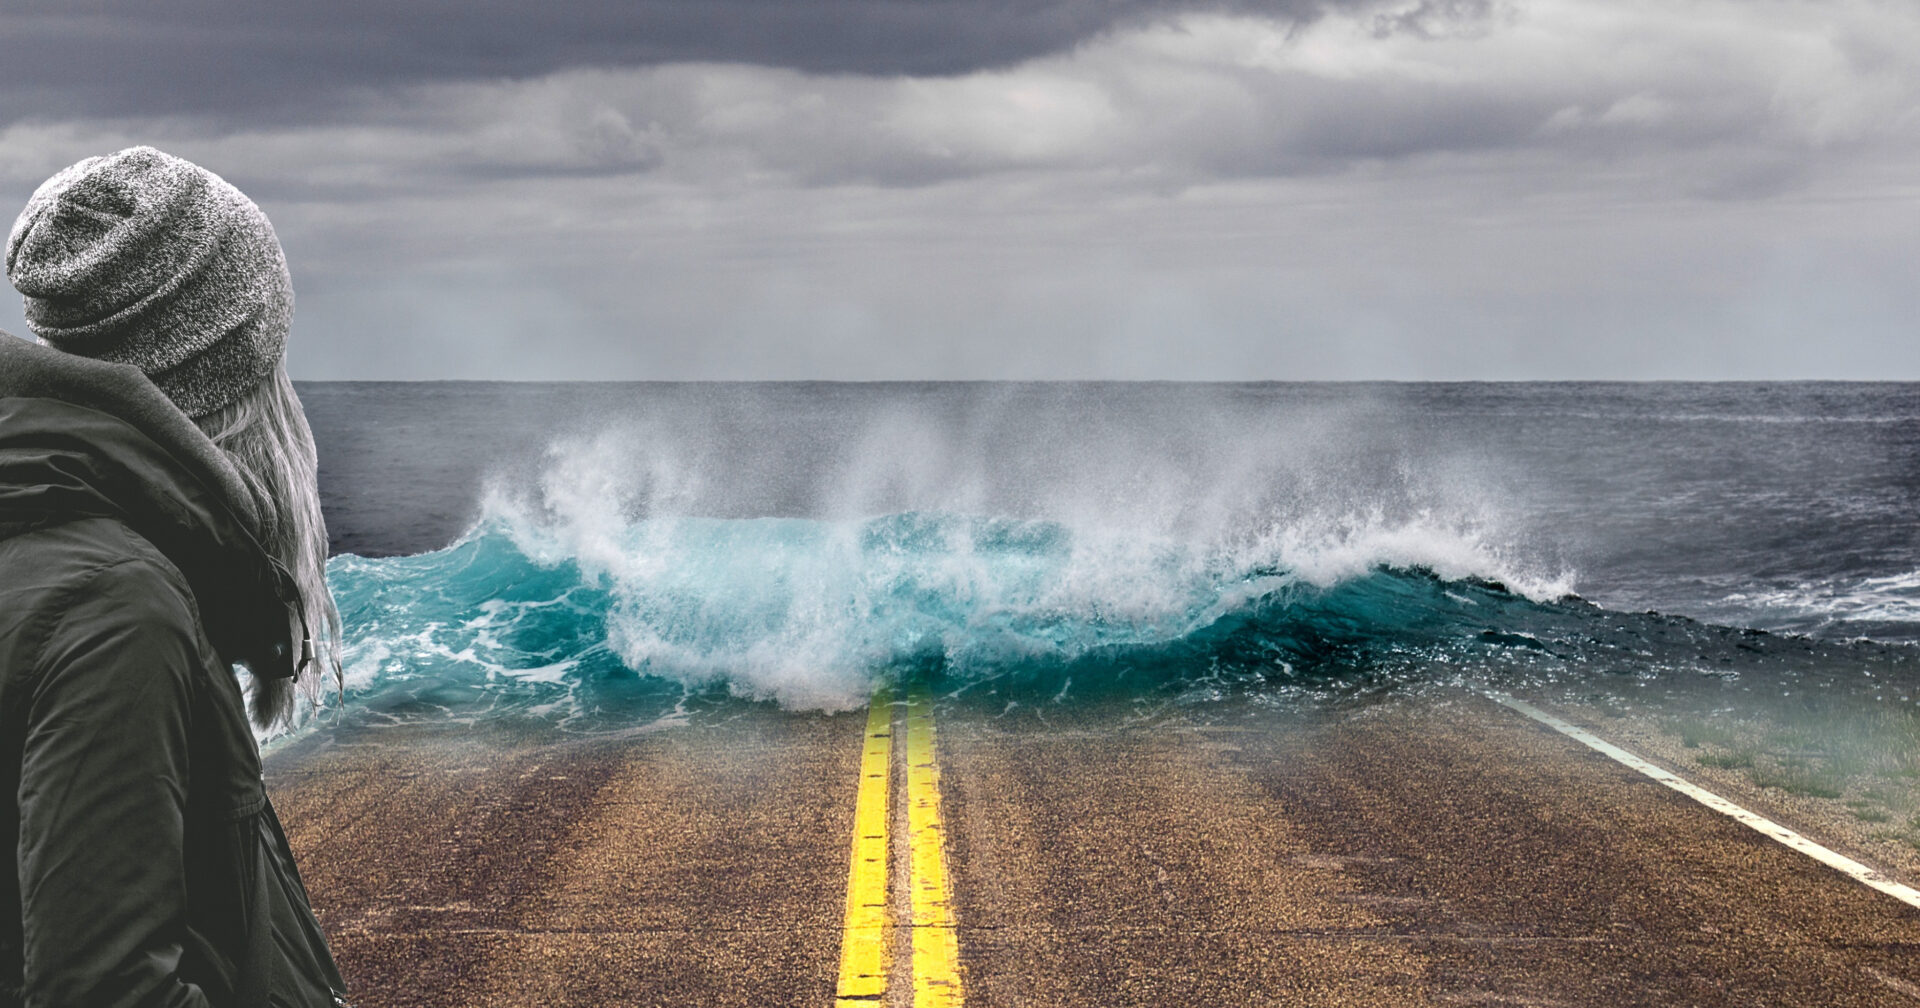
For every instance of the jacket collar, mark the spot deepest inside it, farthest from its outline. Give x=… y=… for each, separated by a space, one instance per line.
x=84 y=438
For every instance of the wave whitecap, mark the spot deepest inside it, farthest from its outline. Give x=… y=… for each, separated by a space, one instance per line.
x=607 y=595
x=613 y=626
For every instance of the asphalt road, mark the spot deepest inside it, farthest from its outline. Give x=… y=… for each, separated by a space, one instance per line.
x=1400 y=854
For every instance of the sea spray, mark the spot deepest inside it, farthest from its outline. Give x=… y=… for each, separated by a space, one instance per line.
x=797 y=544
x=810 y=611
x=585 y=592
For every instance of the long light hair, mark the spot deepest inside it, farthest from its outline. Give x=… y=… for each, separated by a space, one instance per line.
x=266 y=435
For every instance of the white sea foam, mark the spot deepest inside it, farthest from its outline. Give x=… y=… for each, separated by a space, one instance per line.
x=1827 y=605
x=922 y=547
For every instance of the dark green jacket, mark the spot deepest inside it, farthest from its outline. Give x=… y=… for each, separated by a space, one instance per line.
x=149 y=868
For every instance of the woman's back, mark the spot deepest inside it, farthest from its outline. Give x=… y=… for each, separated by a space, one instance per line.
x=139 y=561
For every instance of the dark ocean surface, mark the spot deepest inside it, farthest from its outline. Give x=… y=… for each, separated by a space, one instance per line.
x=605 y=555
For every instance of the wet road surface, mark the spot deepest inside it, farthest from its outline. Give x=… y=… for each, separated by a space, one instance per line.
x=1410 y=853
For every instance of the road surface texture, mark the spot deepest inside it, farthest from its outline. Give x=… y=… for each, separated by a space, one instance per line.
x=1414 y=852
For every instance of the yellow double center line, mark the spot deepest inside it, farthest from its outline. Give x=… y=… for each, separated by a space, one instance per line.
x=865 y=959
x=936 y=949
x=863 y=943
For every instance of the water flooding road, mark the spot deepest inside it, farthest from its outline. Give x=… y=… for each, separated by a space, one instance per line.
x=1408 y=853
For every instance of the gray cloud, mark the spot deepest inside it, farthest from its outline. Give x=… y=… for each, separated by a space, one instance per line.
x=1433 y=19
x=1405 y=188
x=247 y=61
x=1171 y=102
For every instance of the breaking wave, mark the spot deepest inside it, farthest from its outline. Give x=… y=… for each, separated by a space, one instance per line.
x=599 y=597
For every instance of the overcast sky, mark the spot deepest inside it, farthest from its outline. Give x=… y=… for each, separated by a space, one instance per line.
x=859 y=189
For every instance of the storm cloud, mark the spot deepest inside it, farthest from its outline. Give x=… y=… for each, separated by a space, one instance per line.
x=233 y=58
x=1405 y=188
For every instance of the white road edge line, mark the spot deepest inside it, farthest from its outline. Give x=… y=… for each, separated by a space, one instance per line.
x=1859 y=872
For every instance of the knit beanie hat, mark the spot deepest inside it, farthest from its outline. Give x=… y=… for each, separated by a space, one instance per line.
x=143 y=258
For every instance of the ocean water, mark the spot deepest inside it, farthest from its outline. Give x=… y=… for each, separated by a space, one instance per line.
x=609 y=557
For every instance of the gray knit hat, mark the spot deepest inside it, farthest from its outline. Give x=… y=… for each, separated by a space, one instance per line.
x=143 y=258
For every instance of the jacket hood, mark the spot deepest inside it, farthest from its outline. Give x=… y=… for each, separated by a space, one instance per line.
x=80 y=438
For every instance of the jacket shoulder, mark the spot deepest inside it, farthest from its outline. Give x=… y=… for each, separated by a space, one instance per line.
x=94 y=576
